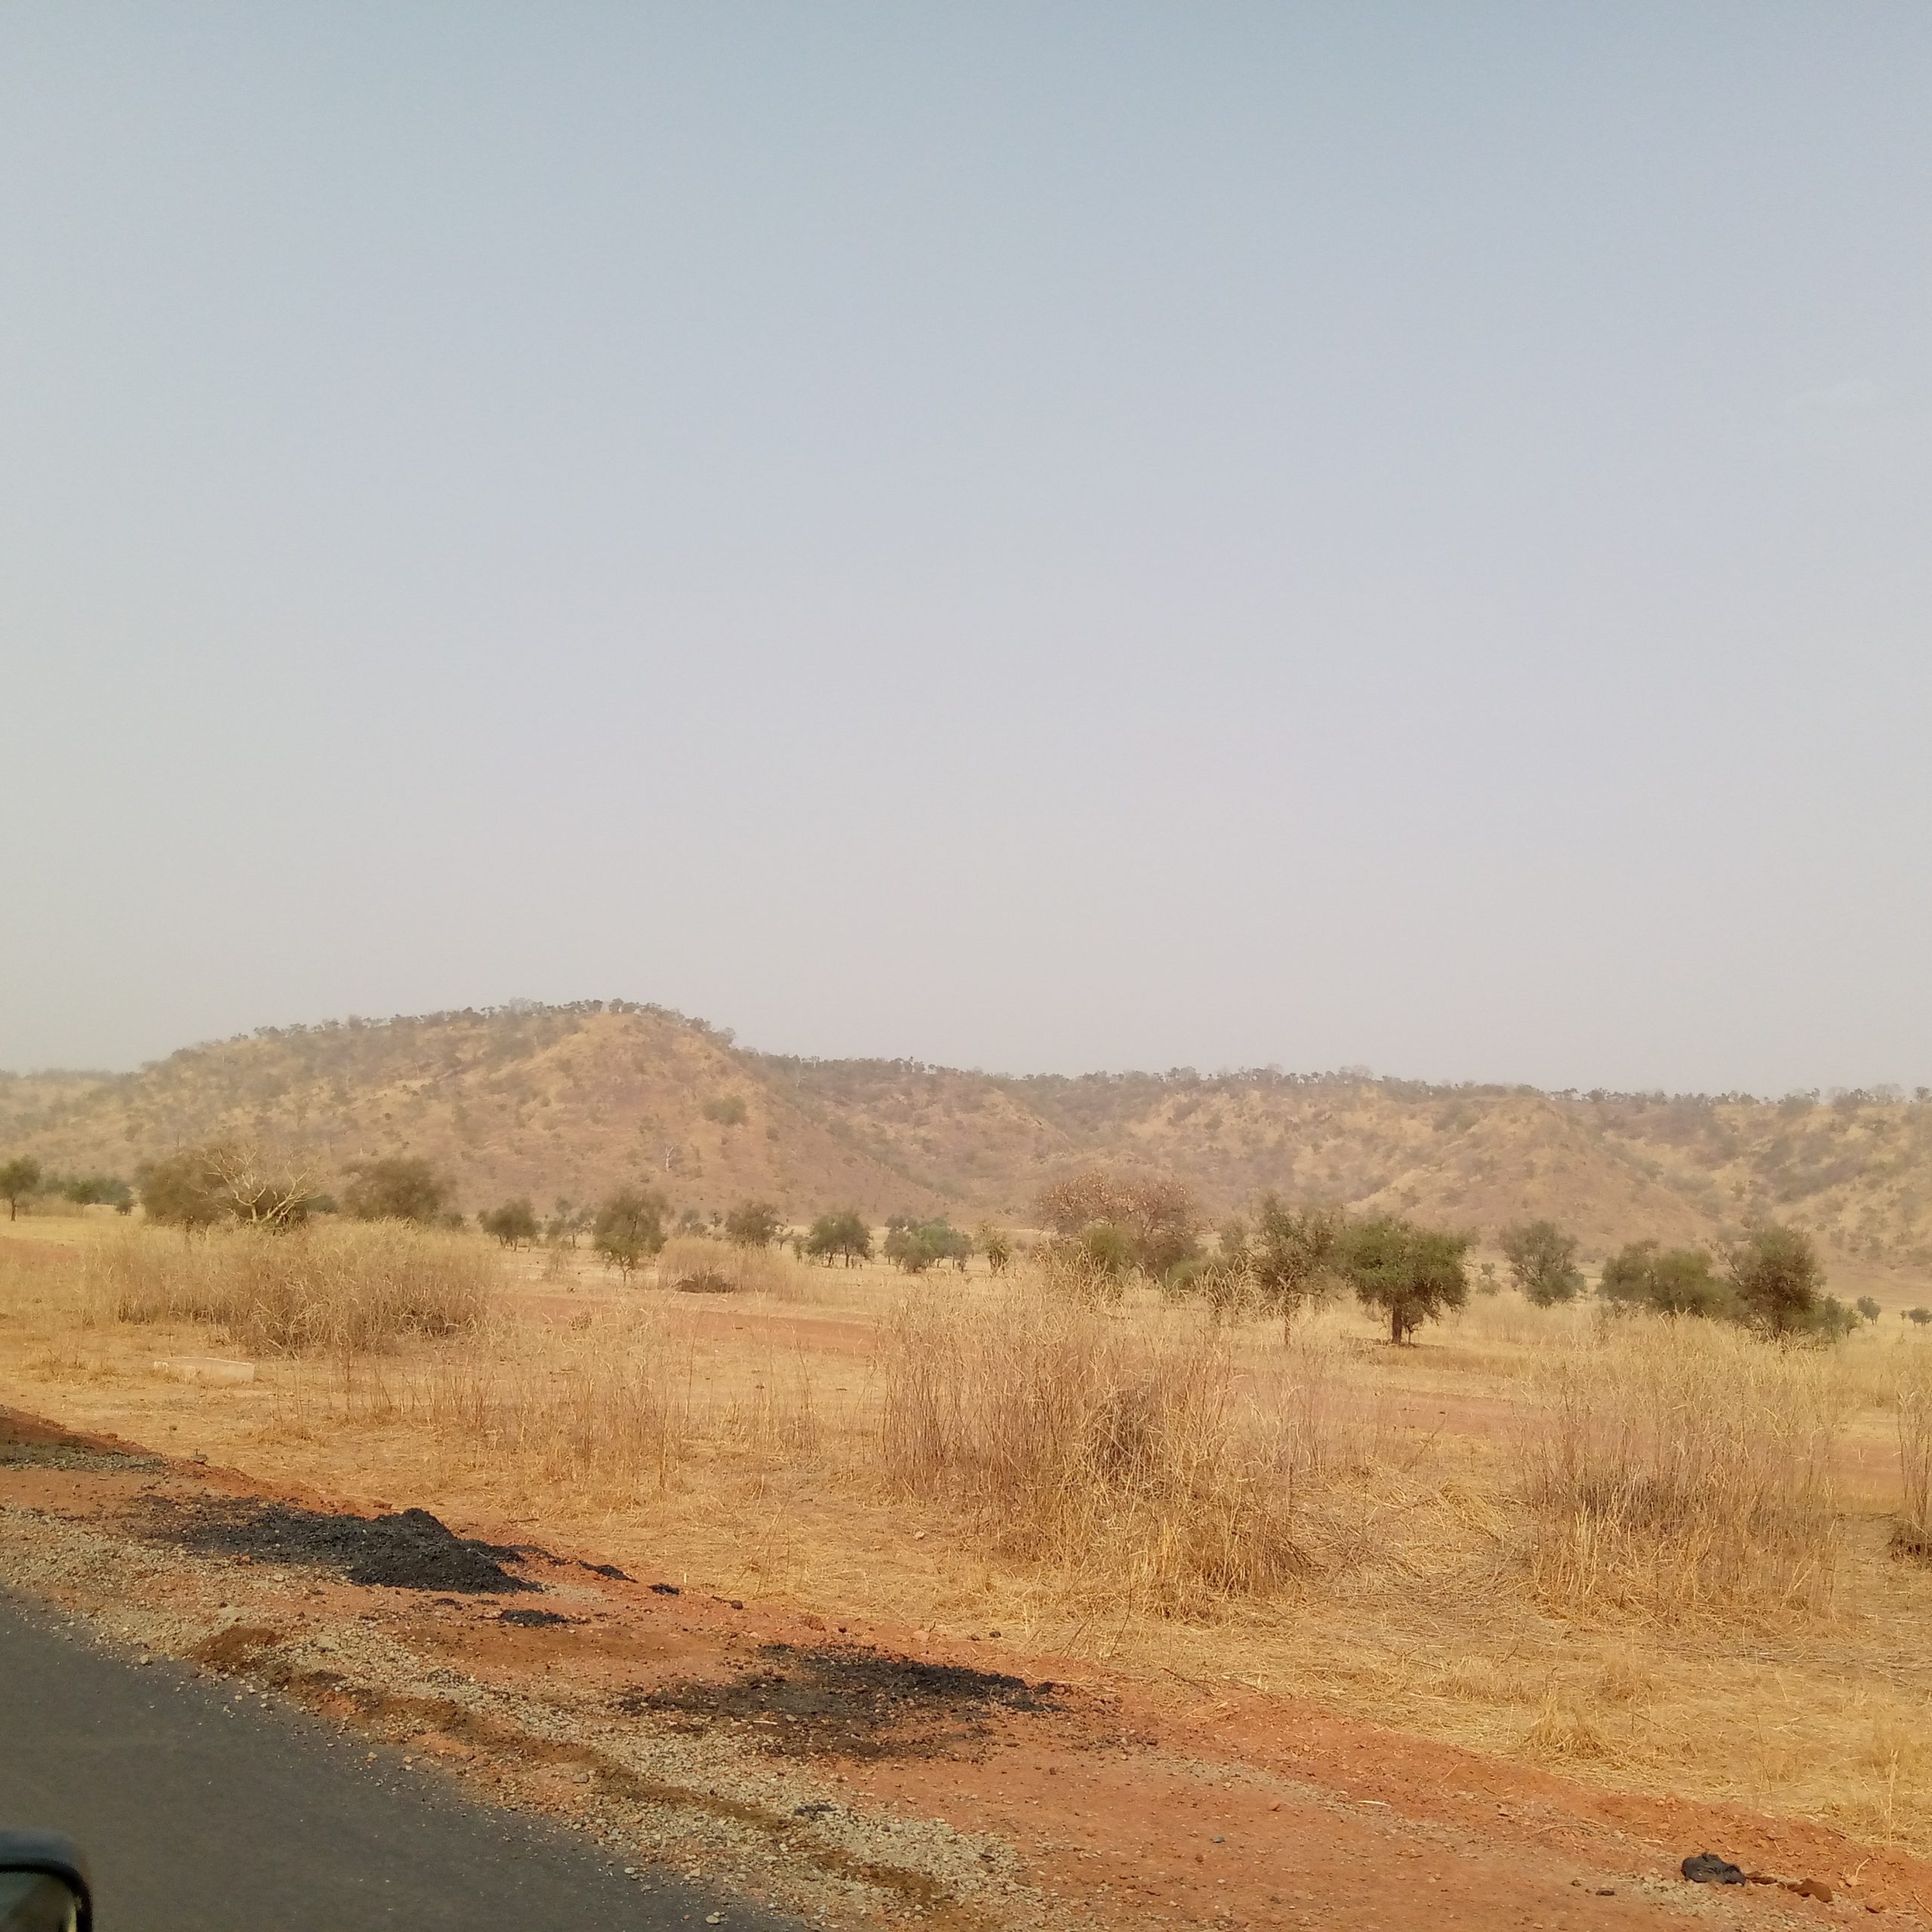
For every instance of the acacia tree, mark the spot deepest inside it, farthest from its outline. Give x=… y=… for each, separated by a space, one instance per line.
x=513 y=1223
x=629 y=1228
x=914 y=1246
x=995 y=1245
x=1543 y=1261
x=1289 y=1255
x=225 y=1180
x=1676 y=1280
x=1157 y=1219
x=842 y=1233
x=20 y=1180
x=1780 y=1282
x=1411 y=1274
x=397 y=1188
x=753 y=1224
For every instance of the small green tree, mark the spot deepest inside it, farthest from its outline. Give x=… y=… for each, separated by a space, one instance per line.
x=1157 y=1217
x=1411 y=1274
x=186 y=1191
x=20 y=1180
x=914 y=1246
x=1543 y=1261
x=843 y=1233
x=513 y=1223
x=629 y=1228
x=1779 y=1280
x=397 y=1188
x=1867 y=1308
x=753 y=1224
x=996 y=1245
x=1919 y=1315
x=727 y=1109
x=1677 y=1280
x=1290 y=1254
x=98 y=1191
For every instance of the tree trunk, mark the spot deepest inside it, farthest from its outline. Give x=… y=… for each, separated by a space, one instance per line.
x=1395 y=1323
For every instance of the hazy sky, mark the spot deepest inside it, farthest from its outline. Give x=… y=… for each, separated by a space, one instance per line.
x=1044 y=537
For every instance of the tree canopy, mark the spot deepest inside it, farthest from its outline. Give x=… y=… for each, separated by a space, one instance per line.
x=842 y=1233
x=20 y=1180
x=1780 y=1283
x=914 y=1246
x=1157 y=1217
x=1413 y=1275
x=1676 y=1280
x=629 y=1229
x=1289 y=1255
x=513 y=1223
x=1543 y=1261
x=397 y=1188
x=753 y=1224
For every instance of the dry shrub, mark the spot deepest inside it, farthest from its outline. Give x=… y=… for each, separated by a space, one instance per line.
x=1673 y=1467
x=696 y=1264
x=606 y=1404
x=1120 y=1452
x=343 y=1291
x=1914 y=1399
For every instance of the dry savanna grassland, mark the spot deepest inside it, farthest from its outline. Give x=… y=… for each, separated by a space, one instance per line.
x=1661 y=1555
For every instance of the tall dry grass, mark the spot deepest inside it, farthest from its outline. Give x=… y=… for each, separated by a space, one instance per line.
x=1913 y=1395
x=606 y=1405
x=1673 y=1467
x=1121 y=1453
x=342 y=1291
x=697 y=1264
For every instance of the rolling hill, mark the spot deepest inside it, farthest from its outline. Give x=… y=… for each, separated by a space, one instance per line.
x=567 y=1101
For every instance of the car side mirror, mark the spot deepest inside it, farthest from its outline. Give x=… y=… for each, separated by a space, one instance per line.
x=43 y=1885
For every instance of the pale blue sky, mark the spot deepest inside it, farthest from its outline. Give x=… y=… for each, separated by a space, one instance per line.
x=1042 y=536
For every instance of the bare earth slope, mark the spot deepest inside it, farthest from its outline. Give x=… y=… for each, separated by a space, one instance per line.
x=570 y=1100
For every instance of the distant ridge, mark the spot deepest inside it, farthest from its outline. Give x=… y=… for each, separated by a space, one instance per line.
x=567 y=1101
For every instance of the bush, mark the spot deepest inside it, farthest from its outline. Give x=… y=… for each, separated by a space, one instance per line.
x=396 y=1188
x=913 y=1247
x=513 y=1223
x=1779 y=1280
x=753 y=1224
x=1120 y=1453
x=20 y=1180
x=629 y=1228
x=1290 y=1255
x=728 y=1109
x=97 y=1191
x=224 y=1180
x=843 y=1233
x=697 y=1264
x=339 y=1290
x=1155 y=1217
x=1678 y=1281
x=1543 y=1261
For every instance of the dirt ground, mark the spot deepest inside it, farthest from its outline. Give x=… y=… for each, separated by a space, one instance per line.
x=866 y=1772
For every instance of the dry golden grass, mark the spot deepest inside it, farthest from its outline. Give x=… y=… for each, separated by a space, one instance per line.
x=339 y=1290
x=1661 y=1559
x=1913 y=1395
x=1674 y=1469
x=1122 y=1453
x=696 y=1264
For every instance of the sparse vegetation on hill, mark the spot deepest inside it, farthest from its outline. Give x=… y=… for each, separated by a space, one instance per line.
x=548 y=1101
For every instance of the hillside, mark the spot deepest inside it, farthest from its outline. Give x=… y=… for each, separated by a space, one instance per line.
x=566 y=1101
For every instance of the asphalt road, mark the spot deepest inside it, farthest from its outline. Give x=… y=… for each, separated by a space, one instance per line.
x=199 y=1814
